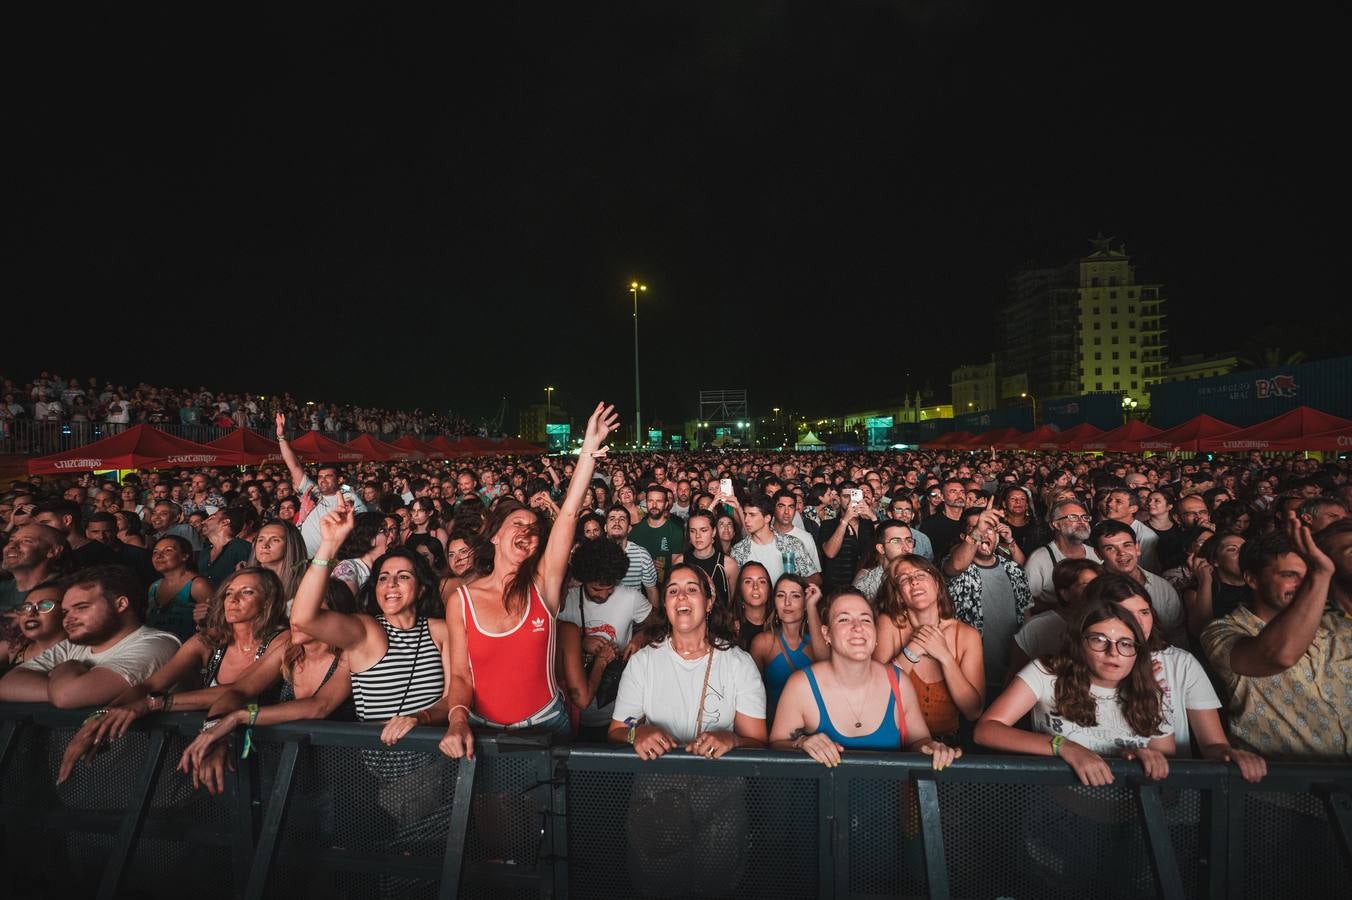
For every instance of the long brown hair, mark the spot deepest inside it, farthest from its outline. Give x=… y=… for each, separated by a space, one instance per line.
x=271 y=618
x=719 y=629
x=516 y=592
x=1138 y=694
x=891 y=601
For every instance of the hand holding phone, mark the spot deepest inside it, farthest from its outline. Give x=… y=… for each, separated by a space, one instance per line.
x=725 y=487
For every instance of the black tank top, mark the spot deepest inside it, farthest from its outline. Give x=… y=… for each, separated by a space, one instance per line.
x=713 y=567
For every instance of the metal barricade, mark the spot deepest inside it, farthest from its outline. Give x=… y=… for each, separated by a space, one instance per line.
x=323 y=809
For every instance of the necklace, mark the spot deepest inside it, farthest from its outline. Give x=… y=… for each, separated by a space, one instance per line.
x=858 y=719
x=689 y=653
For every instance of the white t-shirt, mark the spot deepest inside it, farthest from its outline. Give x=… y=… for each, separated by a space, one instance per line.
x=1110 y=736
x=1042 y=634
x=614 y=620
x=309 y=529
x=1148 y=541
x=1038 y=567
x=1169 y=616
x=1185 y=687
x=136 y=657
x=665 y=688
x=769 y=556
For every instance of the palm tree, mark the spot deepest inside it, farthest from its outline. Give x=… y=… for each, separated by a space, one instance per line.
x=1271 y=358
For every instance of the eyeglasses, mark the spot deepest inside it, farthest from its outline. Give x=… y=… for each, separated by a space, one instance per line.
x=1071 y=518
x=894 y=541
x=905 y=580
x=42 y=606
x=1100 y=643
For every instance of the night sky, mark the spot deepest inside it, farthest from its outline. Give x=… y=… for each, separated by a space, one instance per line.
x=372 y=206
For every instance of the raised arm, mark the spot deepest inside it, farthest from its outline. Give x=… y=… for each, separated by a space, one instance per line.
x=554 y=565
x=1284 y=640
x=288 y=455
x=337 y=629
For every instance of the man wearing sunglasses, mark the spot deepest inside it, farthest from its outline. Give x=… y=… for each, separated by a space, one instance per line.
x=1069 y=521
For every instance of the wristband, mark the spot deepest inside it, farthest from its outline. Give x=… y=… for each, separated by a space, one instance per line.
x=322 y=563
x=248 y=731
x=210 y=724
x=454 y=708
x=632 y=733
x=909 y=654
x=1057 y=741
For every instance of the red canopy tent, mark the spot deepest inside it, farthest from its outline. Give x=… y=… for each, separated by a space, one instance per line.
x=990 y=438
x=1186 y=435
x=520 y=447
x=415 y=448
x=1043 y=437
x=1070 y=438
x=257 y=448
x=1336 y=439
x=476 y=446
x=947 y=439
x=376 y=450
x=445 y=447
x=314 y=446
x=1122 y=438
x=1290 y=427
x=139 y=447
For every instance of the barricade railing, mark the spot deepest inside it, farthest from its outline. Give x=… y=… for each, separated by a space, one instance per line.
x=324 y=809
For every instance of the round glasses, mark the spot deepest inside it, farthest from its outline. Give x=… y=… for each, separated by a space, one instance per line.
x=1100 y=643
x=42 y=606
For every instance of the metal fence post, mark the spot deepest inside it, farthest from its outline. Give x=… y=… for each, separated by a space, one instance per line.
x=1163 y=863
x=139 y=804
x=1338 y=805
x=457 y=830
x=932 y=835
x=269 y=834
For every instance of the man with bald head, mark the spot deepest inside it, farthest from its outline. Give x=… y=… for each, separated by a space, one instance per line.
x=33 y=555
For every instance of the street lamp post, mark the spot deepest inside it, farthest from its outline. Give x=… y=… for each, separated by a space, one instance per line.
x=549 y=407
x=1032 y=400
x=634 y=288
x=1129 y=405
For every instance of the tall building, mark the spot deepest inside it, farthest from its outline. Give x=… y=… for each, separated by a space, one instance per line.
x=973 y=388
x=1086 y=327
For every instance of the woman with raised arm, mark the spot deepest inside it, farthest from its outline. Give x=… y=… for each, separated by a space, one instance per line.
x=396 y=646
x=501 y=647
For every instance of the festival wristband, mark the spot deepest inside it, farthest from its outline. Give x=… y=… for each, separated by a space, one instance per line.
x=248 y=731
x=1057 y=741
x=322 y=563
x=96 y=715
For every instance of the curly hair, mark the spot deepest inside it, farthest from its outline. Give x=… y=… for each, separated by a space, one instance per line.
x=1138 y=694
x=365 y=527
x=599 y=561
x=720 y=627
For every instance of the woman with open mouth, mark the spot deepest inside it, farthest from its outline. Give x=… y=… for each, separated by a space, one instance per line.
x=37 y=626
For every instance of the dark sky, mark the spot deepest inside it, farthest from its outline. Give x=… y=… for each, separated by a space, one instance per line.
x=367 y=205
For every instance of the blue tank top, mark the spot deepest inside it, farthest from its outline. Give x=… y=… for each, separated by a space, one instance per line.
x=886 y=737
x=778 y=670
x=175 y=616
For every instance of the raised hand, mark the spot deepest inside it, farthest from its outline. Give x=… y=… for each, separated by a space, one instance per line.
x=281 y=424
x=337 y=523
x=600 y=424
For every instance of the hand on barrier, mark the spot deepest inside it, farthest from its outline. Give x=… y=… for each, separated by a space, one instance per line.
x=1088 y=766
x=821 y=748
x=1155 y=763
x=210 y=773
x=941 y=755
x=1252 y=767
x=651 y=742
x=459 y=740
x=396 y=728
x=712 y=744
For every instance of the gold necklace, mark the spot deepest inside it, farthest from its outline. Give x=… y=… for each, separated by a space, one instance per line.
x=858 y=719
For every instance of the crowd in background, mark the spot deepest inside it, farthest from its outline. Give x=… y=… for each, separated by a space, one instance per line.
x=1066 y=605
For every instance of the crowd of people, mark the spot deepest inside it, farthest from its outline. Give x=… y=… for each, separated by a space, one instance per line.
x=57 y=400
x=1070 y=606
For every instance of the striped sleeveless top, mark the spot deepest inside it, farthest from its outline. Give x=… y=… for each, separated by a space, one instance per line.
x=512 y=671
x=407 y=678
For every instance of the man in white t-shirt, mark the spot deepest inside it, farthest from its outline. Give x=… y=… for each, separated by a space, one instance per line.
x=322 y=490
x=608 y=613
x=106 y=650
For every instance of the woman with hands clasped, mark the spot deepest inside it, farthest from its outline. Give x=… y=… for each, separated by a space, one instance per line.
x=502 y=620
x=396 y=648
x=849 y=701
x=919 y=633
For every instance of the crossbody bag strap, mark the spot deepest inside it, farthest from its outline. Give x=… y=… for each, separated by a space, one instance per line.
x=703 y=691
x=901 y=710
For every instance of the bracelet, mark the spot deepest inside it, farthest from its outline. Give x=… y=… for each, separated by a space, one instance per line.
x=210 y=724
x=96 y=715
x=322 y=563
x=168 y=703
x=1057 y=741
x=248 y=731
x=454 y=708
x=155 y=701
x=423 y=717
x=909 y=654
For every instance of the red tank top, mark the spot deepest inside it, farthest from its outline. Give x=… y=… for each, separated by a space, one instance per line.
x=513 y=671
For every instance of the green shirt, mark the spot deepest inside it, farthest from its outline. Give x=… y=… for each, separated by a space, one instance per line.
x=661 y=543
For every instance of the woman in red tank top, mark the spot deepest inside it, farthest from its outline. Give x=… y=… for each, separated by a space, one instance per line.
x=501 y=622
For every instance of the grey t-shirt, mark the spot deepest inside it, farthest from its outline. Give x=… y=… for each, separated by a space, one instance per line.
x=1000 y=623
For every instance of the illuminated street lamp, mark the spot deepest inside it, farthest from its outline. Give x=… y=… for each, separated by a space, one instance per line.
x=549 y=391
x=1032 y=400
x=634 y=288
x=1129 y=405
